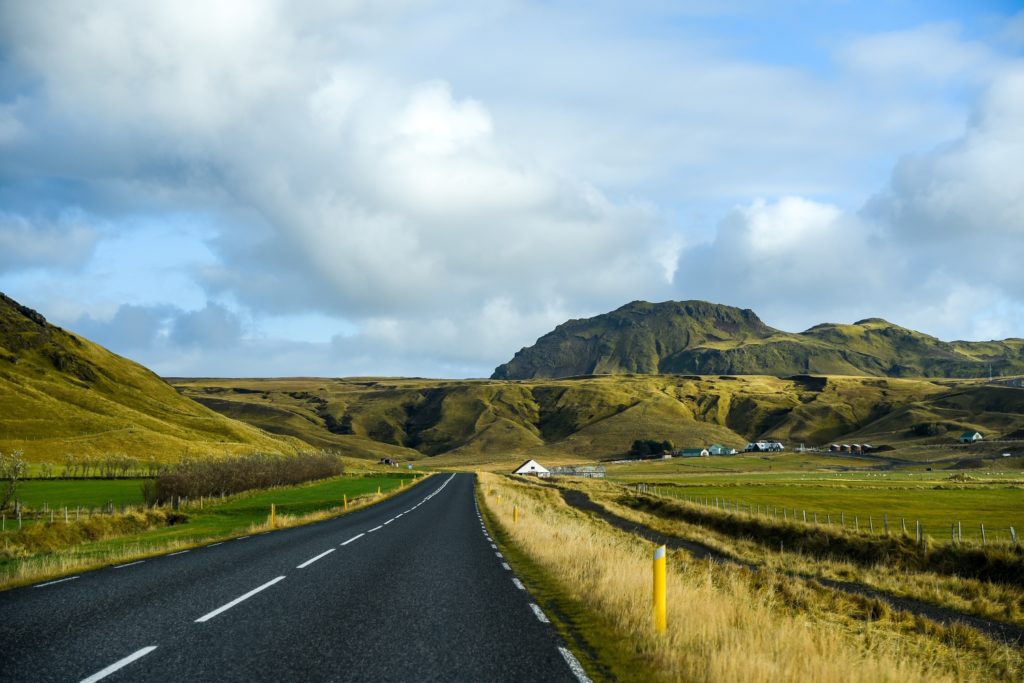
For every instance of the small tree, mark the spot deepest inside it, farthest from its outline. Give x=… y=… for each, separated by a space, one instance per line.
x=12 y=468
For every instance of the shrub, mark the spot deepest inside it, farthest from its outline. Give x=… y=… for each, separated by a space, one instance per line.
x=192 y=478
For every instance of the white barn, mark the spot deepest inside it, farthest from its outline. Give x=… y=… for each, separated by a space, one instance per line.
x=532 y=467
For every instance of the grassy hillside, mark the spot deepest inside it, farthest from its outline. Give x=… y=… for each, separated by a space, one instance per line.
x=703 y=338
x=61 y=394
x=493 y=421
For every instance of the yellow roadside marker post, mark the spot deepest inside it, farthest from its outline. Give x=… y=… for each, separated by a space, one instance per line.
x=345 y=498
x=515 y=514
x=273 y=515
x=378 y=489
x=660 y=621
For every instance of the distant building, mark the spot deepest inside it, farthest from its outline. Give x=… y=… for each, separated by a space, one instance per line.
x=764 y=447
x=719 y=449
x=970 y=437
x=587 y=471
x=533 y=468
x=694 y=453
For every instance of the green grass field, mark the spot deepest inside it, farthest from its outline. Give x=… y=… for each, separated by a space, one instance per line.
x=997 y=500
x=56 y=493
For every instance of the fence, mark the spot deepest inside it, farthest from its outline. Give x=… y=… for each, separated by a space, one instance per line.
x=881 y=524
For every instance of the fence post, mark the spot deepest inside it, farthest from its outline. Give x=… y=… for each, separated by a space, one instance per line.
x=1013 y=535
x=959 y=532
x=65 y=514
x=3 y=522
x=903 y=521
x=983 y=533
x=918 y=526
x=805 y=516
x=660 y=619
x=842 y=519
x=886 y=519
x=952 y=532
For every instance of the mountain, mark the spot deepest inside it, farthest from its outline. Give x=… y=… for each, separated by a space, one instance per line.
x=61 y=394
x=701 y=338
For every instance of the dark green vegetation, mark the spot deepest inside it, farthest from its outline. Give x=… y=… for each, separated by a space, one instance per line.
x=194 y=478
x=61 y=394
x=702 y=338
x=489 y=422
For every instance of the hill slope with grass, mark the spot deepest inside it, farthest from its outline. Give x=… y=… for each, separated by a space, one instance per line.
x=62 y=394
x=592 y=418
x=704 y=338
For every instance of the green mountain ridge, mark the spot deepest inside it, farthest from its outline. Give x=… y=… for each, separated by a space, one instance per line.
x=701 y=338
x=63 y=395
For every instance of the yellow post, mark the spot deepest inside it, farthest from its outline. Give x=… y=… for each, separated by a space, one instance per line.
x=378 y=489
x=345 y=497
x=273 y=515
x=515 y=514
x=660 y=620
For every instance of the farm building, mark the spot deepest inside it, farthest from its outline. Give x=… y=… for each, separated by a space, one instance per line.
x=970 y=437
x=764 y=447
x=533 y=468
x=588 y=471
x=694 y=453
x=719 y=449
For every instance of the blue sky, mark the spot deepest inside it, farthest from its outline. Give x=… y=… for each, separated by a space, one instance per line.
x=422 y=188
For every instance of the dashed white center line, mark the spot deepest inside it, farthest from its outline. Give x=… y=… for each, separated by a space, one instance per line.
x=354 y=538
x=180 y=552
x=574 y=665
x=518 y=583
x=128 y=564
x=370 y=531
x=224 y=608
x=50 y=583
x=119 y=664
x=543 y=618
x=388 y=522
x=311 y=561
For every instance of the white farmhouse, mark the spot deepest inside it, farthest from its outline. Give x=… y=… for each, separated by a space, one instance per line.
x=532 y=467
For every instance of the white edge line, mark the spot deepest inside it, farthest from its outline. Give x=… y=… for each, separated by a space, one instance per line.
x=224 y=608
x=354 y=538
x=119 y=664
x=574 y=665
x=241 y=538
x=500 y=555
x=180 y=552
x=217 y=543
x=50 y=583
x=311 y=561
x=129 y=564
x=518 y=583
x=543 y=618
x=505 y=565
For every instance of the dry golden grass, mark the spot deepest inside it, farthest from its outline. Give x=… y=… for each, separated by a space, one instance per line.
x=971 y=596
x=725 y=624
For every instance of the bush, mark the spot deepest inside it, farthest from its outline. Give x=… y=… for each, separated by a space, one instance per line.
x=928 y=429
x=192 y=478
x=642 y=447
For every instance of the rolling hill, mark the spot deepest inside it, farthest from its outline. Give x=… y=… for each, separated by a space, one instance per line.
x=593 y=418
x=61 y=394
x=702 y=338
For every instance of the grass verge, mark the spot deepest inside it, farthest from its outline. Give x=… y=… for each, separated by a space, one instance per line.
x=37 y=553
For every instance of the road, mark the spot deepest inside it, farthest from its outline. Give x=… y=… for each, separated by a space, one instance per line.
x=410 y=589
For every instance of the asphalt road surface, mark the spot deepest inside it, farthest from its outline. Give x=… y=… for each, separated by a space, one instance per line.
x=410 y=589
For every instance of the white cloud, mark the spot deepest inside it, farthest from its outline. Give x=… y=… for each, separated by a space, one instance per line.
x=65 y=242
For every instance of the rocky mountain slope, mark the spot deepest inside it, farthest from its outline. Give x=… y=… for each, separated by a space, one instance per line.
x=700 y=338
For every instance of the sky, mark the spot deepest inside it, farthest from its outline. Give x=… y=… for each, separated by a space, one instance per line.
x=418 y=188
